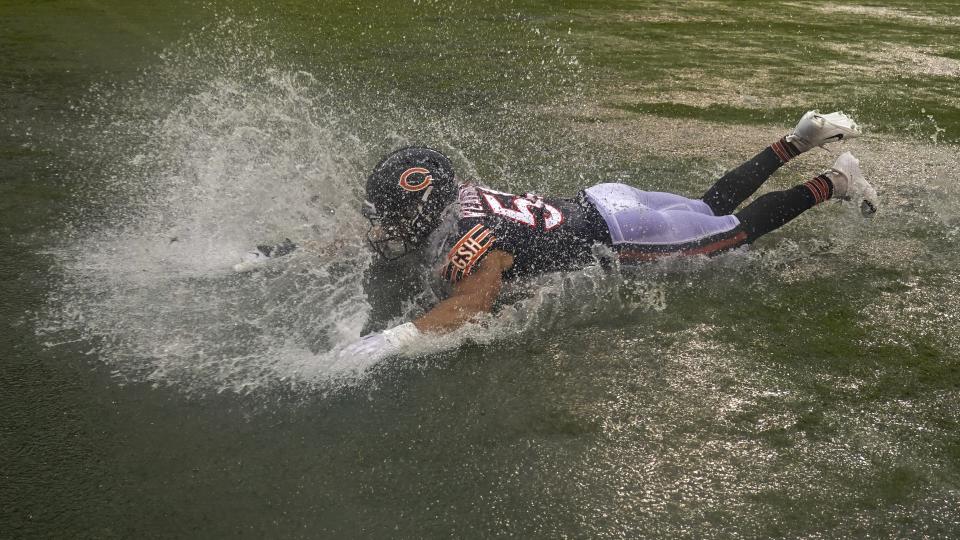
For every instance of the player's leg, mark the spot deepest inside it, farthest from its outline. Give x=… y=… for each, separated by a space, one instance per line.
x=736 y=185
x=813 y=130
x=633 y=215
x=654 y=234
x=645 y=226
x=681 y=232
x=775 y=209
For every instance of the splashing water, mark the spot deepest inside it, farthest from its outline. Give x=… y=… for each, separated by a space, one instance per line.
x=237 y=163
x=203 y=167
x=210 y=153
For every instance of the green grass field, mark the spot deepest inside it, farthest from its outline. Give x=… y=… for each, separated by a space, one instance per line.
x=806 y=388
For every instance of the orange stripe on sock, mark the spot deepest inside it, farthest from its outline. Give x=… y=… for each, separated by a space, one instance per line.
x=780 y=151
x=819 y=188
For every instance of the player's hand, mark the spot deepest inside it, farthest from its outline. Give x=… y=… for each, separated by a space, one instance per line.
x=375 y=347
x=371 y=345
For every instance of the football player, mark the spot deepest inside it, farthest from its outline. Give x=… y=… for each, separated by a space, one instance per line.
x=482 y=237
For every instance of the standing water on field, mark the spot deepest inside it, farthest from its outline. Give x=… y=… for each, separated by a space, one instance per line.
x=808 y=386
x=248 y=154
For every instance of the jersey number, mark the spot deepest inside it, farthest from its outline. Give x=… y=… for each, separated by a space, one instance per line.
x=520 y=209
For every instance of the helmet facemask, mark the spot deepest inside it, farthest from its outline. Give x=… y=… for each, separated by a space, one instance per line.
x=398 y=232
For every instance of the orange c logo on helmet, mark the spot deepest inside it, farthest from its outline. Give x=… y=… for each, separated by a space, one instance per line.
x=411 y=184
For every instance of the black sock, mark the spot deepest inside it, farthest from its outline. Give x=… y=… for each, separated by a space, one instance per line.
x=736 y=185
x=775 y=209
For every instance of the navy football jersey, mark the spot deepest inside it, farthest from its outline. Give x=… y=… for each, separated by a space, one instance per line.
x=543 y=234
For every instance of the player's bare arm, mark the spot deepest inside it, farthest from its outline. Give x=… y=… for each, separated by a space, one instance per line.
x=473 y=295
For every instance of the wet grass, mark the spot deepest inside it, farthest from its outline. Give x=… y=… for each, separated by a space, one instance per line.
x=757 y=62
x=735 y=63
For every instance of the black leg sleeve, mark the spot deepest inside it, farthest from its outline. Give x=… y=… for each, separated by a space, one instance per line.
x=734 y=187
x=773 y=210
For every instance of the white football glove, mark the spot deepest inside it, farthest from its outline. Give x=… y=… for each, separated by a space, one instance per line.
x=375 y=347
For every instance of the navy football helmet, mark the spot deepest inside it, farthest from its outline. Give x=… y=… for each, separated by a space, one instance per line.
x=406 y=195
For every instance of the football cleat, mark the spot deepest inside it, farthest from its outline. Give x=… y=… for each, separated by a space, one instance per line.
x=815 y=129
x=849 y=184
